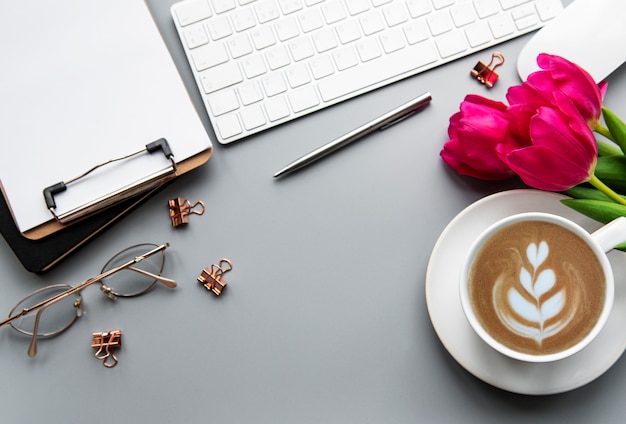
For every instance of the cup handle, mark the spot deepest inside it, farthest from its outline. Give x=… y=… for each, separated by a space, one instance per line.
x=611 y=234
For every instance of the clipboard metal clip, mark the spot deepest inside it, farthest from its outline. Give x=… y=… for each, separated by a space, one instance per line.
x=118 y=195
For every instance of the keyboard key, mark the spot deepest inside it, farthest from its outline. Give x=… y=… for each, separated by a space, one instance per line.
x=348 y=31
x=223 y=102
x=266 y=11
x=253 y=66
x=209 y=56
x=418 y=8
x=228 y=126
x=220 y=76
x=252 y=117
x=222 y=6
x=486 y=8
x=262 y=37
x=303 y=98
x=277 y=57
x=452 y=43
x=501 y=26
x=310 y=20
x=287 y=29
x=415 y=32
x=276 y=109
x=274 y=84
x=439 y=23
x=298 y=75
x=219 y=28
x=372 y=22
x=392 y=40
x=250 y=92
x=478 y=34
x=440 y=4
x=395 y=14
x=192 y=11
x=321 y=66
x=548 y=9
x=324 y=40
x=345 y=58
x=195 y=36
x=463 y=14
x=239 y=46
x=301 y=48
x=368 y=49
x=509 y=4
x=290 y=6
x=378 y=3
x=243 y=19
x=357 y=6
x=334 y=12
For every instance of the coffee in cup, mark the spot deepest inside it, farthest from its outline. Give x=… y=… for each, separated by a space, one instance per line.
x=537 y=287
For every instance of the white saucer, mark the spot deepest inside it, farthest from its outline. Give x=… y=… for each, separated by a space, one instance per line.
x=444 y=307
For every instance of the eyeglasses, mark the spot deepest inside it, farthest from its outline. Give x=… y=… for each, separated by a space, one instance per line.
x=53 y=309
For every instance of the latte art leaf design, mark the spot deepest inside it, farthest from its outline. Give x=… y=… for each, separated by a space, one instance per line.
x=530 y=313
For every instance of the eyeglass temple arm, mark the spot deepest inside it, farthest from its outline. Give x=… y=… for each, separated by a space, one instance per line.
x=32 y=348
x=166 y=281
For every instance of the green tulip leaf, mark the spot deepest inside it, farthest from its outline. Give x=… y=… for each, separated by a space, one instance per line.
x=611 y=170
x=616 y=127
x=581 y=192
x=599 y=210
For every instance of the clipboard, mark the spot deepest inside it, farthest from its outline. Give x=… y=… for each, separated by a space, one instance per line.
x=89 y=82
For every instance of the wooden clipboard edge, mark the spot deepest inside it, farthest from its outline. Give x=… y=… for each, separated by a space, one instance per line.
x=52 y=226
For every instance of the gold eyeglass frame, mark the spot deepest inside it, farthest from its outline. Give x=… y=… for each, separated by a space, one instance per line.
x=41 y=306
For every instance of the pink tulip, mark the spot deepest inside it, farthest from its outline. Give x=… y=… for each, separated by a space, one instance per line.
x=474 y=133
x=562 y=151
x=560 y=75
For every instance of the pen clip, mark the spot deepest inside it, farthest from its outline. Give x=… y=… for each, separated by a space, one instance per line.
x=405 y=116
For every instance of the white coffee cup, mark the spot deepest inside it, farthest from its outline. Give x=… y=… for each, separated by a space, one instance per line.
x=532 y=302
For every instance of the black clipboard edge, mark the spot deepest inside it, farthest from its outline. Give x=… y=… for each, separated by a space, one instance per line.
x=42 y=254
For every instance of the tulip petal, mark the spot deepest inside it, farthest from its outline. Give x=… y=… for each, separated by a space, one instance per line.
x=574 y=82
x=486 y=168
x=539 y=167
x=474 y=131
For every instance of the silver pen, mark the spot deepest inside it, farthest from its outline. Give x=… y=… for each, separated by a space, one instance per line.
x=380 y=123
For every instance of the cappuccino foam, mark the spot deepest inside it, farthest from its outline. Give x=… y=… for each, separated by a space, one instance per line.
x=536 y=287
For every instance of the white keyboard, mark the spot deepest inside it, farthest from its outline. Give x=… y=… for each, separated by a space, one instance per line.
x=261 y=63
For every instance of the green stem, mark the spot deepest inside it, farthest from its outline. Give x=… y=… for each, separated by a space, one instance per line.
x=595 y=181
x=601 y=129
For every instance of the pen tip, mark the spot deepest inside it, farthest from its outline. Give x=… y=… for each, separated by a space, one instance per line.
x=281 y=172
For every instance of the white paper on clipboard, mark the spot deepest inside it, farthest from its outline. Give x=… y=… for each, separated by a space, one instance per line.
x=82 y=82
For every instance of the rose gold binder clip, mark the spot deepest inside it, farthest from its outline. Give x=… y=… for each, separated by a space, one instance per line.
x=105 y=342
x=180 y=209
x=485 y=73
x=211 y=278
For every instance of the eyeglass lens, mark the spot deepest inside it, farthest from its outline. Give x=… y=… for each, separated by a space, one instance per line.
x=128 y=282
x=54 y=319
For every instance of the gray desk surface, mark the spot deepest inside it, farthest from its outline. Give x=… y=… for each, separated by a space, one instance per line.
x=324 y=319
